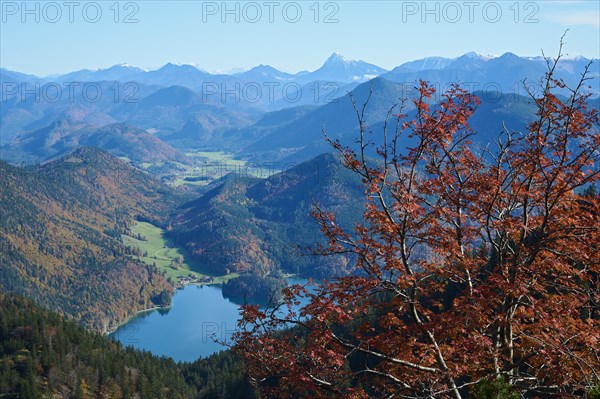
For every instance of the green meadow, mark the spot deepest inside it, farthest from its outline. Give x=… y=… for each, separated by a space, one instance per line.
x=165 y=255
x=214 y=165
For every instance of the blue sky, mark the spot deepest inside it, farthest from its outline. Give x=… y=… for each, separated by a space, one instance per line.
x=45 y=38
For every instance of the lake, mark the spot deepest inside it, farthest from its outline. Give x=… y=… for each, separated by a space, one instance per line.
x=185 y=331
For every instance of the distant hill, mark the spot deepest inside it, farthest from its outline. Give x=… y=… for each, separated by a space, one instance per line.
x=8 y=78
x=338 y=118
x=238 y=138
x=315 y=93
x=60 y=227
x=302 y=138
x=120 y=72
x=427 y=63
x=173 y=75
x=170 y=110
x=264 y=73
x=250 y=225
x=63 y=136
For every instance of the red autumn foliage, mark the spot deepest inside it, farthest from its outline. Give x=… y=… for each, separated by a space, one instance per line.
x=472 y=264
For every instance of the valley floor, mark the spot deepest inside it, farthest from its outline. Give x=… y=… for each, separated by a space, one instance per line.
x=174 y=261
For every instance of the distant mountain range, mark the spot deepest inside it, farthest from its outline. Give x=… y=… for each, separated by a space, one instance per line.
x=335 y=69
x=262 y=114
x=505 y=73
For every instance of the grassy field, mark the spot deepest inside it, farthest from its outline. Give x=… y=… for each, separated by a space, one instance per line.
x=216 y=156
x=163 y=254
x=207 y=166
x=214 y=165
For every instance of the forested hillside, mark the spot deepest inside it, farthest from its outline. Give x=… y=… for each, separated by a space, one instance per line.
x=260 y=226
x=60 y=229
x=42 y=355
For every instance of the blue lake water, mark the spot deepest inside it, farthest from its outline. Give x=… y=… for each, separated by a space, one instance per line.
x=185 y=331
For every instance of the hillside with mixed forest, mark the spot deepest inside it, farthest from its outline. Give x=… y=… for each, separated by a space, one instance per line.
x=42 y=355
x=246 y=224
x=60 y=230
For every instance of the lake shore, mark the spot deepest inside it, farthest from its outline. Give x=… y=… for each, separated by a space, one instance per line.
x=198 y=313
x=112 y=330
x=179 y=286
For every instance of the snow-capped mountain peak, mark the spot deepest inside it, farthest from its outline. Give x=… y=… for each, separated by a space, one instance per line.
x=336 y=57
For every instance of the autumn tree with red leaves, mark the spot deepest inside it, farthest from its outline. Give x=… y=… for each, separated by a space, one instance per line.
x=474 y=266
